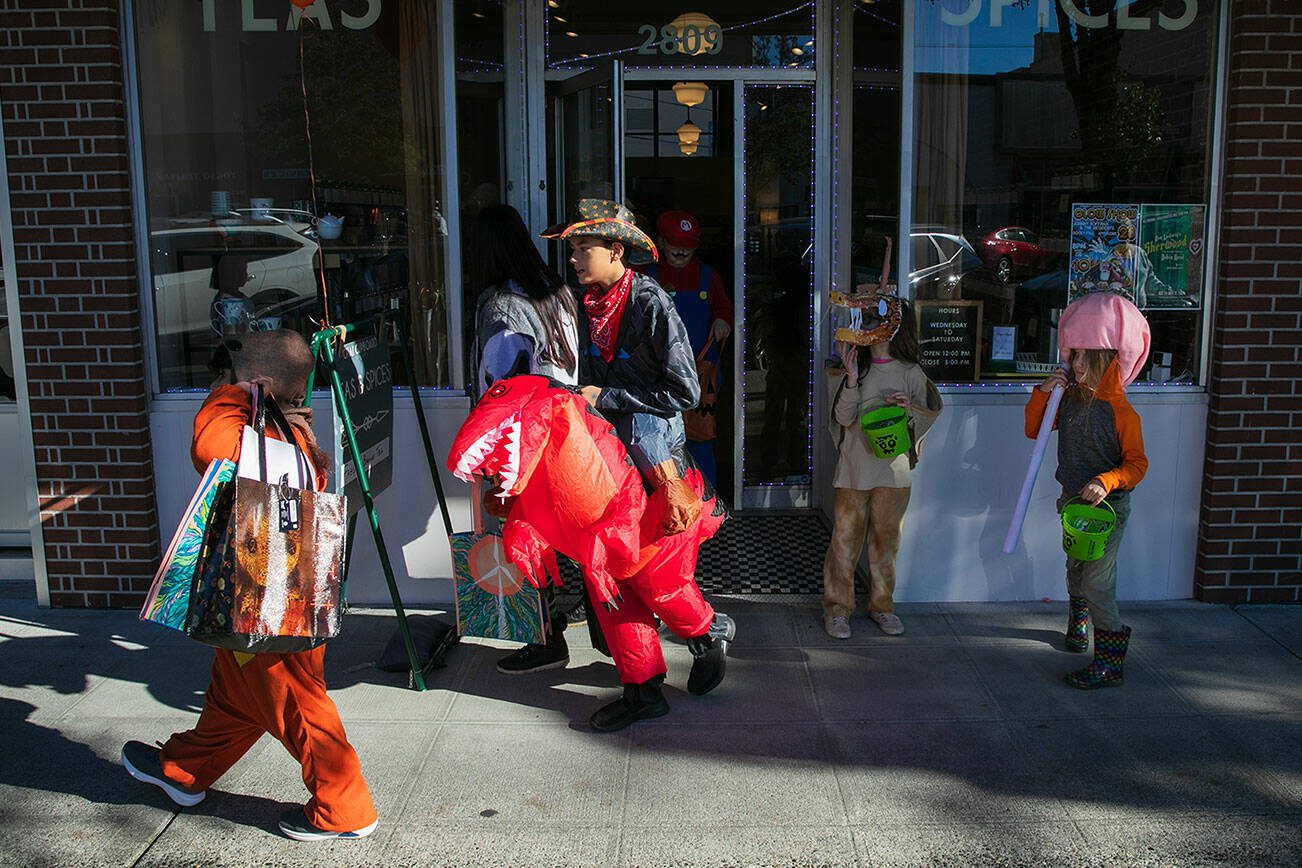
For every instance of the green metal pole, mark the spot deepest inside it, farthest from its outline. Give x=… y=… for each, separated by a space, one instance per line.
x=327 y=350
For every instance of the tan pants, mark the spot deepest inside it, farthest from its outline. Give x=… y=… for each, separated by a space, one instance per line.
x=876 y=515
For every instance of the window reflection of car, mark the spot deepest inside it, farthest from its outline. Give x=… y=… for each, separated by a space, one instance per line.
x=939 y=262
x=266 y=267
x=1013 y=250
x=939 y=259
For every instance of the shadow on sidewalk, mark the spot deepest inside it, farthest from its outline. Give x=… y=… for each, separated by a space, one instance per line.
x=1075 y=748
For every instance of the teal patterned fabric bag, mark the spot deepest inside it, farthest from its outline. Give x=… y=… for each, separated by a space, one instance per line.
x=168 y=600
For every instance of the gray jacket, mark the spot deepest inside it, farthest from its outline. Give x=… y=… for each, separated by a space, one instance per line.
x=510 y=339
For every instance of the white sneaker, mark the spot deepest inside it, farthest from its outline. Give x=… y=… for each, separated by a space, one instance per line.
x=889 y=622
x=837 y=626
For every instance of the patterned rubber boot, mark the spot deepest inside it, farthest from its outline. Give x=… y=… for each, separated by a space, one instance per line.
x=1077 y=637
x=1109 y=657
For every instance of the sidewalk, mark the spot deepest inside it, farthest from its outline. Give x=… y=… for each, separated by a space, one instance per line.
x=955 y=744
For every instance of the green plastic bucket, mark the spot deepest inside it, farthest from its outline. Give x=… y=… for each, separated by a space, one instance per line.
x=887 y=430
x=1085 y=529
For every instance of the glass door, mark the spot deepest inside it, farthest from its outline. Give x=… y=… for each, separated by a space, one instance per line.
x=776 y=228
x=587 y=116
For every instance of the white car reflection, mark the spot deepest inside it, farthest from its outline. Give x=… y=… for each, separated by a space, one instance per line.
x=208 y=277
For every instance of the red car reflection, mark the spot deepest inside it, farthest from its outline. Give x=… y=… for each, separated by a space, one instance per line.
x=1013 y=250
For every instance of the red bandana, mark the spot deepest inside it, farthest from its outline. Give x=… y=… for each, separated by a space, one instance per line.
x=605 y=311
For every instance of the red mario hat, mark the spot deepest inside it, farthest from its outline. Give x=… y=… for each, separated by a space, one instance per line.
x=679 y=229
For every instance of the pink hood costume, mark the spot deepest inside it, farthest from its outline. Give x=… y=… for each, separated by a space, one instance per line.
x=1106 y=321
x=572 y=489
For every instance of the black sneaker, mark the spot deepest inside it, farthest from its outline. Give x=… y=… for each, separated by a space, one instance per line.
x=142 y=763
x=536 y=658
x=296 y=825
x=711 y=655
x=639 y=702
x=577 y=616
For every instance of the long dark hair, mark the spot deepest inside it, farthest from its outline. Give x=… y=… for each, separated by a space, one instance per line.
x=501 y=250
x=904 y=346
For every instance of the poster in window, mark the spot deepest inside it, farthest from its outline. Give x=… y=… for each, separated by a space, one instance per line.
x=1151 y=254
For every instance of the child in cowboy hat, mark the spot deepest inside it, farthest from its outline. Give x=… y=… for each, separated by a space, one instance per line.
x=636 y=366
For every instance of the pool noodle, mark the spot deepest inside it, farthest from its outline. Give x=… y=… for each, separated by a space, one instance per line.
x=1032 y=470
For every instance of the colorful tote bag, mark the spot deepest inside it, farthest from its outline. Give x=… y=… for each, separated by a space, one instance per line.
x=493 y=599
x=168 y=600
x=272 y=573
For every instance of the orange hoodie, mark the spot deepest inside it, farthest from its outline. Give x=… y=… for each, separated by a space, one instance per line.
x=1099 y=438
x=219 y=425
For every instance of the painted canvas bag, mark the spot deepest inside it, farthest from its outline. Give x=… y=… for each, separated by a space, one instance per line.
x=168 y=600
x=493 y=599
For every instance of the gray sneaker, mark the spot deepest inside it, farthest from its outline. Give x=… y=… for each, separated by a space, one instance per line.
x=837 y=626
x=710 y=655
x=889 y=622
x=142 y=763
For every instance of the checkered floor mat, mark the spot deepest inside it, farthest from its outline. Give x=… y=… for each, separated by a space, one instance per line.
x=765 y=554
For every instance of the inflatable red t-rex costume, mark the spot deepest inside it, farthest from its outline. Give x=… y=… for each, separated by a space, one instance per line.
x=575 y=491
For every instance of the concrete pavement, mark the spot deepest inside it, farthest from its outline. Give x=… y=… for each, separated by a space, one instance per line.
x=955 y=744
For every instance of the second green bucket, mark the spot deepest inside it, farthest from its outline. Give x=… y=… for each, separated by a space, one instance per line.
x=1085 y=529
x=887 y=430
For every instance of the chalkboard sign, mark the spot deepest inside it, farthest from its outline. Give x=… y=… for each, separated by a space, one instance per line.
x=367 y=379
x=948 y=339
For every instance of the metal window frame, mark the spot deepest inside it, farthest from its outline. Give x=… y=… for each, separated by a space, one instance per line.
x=139 y=209
x=1215 y=190
x=446 y=22
x=908 y=167
x=22 y=394
x=739 y=285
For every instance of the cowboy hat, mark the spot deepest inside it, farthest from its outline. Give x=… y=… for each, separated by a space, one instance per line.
x=602 y=218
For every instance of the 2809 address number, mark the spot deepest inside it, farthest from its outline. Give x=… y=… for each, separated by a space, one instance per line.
x=689 y=40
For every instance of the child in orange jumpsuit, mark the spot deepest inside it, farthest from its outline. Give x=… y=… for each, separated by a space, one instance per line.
x=249 y=694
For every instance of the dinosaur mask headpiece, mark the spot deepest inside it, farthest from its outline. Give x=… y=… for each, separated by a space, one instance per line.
x=504 y=434
x=864 y=319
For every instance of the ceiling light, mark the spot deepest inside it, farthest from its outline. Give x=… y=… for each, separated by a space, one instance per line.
x=570 y=33
x=685 y=149
x=555 y=4
x=702 y=23
x=688 y=134
x=690 y=93
x=797 y=51
x=558 y=18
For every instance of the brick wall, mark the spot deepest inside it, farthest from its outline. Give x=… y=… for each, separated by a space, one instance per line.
x=61 y=93
x=1250 y=546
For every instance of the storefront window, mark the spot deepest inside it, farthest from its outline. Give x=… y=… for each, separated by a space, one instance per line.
x=715 y=33
x=481 y=124
x=237 y=242
x=1061 y=146
x=875 y=142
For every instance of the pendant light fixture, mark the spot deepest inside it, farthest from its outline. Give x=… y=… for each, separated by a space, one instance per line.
x=689 y=94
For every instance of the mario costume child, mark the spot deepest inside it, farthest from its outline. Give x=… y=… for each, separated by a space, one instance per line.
x=251 y=694
x=700 y=299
